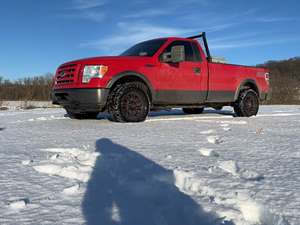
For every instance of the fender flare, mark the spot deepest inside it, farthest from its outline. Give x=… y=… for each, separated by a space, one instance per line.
x=242 y=84
x=124 y=74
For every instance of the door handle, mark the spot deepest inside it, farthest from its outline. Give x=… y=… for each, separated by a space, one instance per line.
x=197 y=70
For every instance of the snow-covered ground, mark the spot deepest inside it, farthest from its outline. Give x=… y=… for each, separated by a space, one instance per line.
x=19 y=105
x=173 y=169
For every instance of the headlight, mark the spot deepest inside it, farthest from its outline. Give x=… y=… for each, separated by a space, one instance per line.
x=95 y=71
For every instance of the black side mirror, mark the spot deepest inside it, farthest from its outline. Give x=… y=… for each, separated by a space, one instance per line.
x=176 y=55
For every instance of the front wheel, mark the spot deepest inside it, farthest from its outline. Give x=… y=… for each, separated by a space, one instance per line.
x=247 y=104
x=193 y=110
x=129 y=102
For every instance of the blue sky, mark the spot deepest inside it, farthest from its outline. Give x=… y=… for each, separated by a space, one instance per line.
x=37 y=36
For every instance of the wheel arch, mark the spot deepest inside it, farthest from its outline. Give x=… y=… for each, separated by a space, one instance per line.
x=248 y=83
x=131 y=76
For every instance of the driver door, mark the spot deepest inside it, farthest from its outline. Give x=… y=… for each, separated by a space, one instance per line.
x=180 y=83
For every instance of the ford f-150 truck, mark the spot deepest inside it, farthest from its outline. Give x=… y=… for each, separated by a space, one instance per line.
x=156 y=74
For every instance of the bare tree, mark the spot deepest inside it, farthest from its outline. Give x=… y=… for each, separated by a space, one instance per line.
x=284 y=81
x=30 y=88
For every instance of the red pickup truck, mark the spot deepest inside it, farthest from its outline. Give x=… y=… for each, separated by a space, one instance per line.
x=156 y=74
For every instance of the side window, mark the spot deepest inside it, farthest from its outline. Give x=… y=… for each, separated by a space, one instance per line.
x=189 y=51
x=196 y=52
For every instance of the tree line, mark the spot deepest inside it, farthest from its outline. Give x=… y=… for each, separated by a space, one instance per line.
x=36 y=88
x=284 y=82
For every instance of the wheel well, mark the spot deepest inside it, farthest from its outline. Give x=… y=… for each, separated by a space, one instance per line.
x=132 y=78
x=250 y=85
x=247 y=85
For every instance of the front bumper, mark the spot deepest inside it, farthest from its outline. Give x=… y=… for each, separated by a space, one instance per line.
x=81 y=100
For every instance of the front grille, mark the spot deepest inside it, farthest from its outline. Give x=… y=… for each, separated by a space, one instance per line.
x=67 y=74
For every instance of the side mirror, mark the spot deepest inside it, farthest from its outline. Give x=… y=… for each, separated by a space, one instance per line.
x=178 y=54
x=166 y=57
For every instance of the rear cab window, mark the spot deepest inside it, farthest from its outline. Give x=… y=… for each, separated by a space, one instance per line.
x=196 y=52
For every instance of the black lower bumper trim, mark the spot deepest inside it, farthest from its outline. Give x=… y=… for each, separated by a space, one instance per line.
x=81 y=100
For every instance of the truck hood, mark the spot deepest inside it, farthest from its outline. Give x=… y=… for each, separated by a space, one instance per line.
x=110 y=59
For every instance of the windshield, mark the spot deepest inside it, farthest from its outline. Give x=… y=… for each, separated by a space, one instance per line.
x=147 y=48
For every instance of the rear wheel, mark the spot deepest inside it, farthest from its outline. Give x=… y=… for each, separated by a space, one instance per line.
x=129 y=102
x=247 y=104
x=193 y=110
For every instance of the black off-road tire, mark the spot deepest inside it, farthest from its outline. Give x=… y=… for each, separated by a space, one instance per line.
x=129 y=102
x=81 y=116
x=193 y=110
x=247 y=104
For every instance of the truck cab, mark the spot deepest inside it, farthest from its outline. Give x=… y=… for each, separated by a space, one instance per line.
x=159 y=73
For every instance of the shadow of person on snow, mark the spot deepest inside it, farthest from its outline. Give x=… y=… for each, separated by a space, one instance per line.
x=127 y=188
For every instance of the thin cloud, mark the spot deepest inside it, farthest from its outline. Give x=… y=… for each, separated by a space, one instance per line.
x=169 y=7
x=86 y=9
x=148 y=13
x=87 y=4
x=129 y=34
x=245 y=14
x=87 y=15
x=222 y=26
x=251 y=43
x=221 y=22
x=275 y=19
x=238 y=37
x=94 y=15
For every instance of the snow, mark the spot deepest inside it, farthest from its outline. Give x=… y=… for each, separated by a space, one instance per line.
x=173 y=169
x=230 y=166
x=26 y=162
x=70 y=163
x=208 y=152
x=226 y=128
x=115 y=213
x=19 y=105
x=18 y=204
x=43 y=118
x=208 y=132
x=73 y=190
x=214 y=139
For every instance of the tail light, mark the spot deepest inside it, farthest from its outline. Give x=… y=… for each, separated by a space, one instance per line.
x=267 y=77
